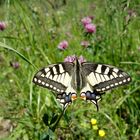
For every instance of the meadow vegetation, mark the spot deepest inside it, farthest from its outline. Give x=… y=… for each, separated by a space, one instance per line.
x=31 y=36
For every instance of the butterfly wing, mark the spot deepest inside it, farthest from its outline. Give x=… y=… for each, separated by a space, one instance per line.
x=57 y=77
x=100 y=78
x=104 y=77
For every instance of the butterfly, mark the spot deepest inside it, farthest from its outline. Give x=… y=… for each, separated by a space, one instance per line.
x=90 y=79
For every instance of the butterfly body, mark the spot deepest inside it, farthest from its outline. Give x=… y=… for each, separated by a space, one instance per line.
x=90 y=79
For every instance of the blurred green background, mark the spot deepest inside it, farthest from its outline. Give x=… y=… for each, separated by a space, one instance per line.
x=33 y=29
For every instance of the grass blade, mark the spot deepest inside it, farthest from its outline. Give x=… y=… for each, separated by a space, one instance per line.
x=18 y=53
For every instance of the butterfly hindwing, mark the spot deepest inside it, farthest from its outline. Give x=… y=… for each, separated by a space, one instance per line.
x=104 y=77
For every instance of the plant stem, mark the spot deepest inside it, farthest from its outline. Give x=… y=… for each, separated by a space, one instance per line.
x=56 y=123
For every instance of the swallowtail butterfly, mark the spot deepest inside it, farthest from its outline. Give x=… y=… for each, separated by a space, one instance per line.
x=90 y=79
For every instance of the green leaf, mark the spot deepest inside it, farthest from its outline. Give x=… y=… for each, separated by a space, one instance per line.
x=45 y=119
x=45 y=137
x=54 y=119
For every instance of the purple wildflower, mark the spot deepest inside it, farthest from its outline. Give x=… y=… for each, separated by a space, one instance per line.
x=85 y=43
x=15 y=64
x=86 y=20
x=70 y=58
x=73 y=58
x=2 y=25
x=90 y=28
x=81 y=59
x=63 y=45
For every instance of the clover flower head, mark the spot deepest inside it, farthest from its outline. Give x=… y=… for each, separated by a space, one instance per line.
x=85 y=43
x=86 y=20
x=72 y=58
x=2 y=25
x=14 y=64
x=81 y=59
x=63 y=45
x=90 y=28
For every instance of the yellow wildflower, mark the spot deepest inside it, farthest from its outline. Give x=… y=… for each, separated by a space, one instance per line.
x=101 y=133
x=93 y=121
x=95 y=127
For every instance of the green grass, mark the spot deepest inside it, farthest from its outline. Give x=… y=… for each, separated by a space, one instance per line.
x=34 y=29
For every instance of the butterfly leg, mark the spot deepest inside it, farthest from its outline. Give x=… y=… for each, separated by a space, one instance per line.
x=66 y=99
x=94 y=97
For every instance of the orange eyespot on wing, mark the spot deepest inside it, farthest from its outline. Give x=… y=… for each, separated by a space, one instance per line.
x=73 y=97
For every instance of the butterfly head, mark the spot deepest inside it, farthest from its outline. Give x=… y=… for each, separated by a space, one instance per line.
x=76 y=61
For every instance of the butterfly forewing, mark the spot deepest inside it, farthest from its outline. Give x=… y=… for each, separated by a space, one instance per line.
x=104 y=77
x=55 y=77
